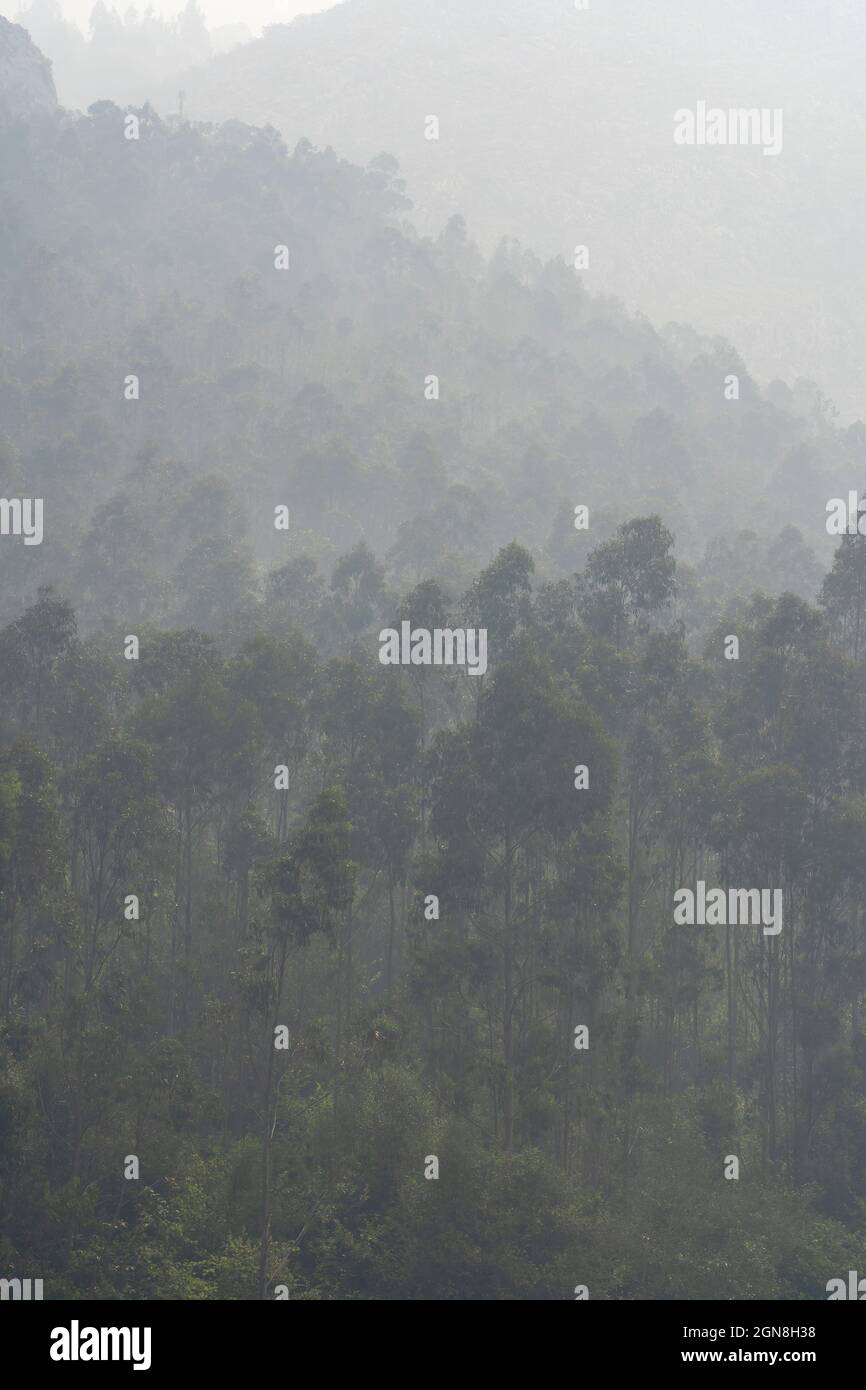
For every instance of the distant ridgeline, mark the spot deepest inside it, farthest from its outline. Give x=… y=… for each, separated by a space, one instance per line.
x=560 y=123
x=199 y=329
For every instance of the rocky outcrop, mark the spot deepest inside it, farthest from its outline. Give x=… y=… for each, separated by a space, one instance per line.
x=26 y=84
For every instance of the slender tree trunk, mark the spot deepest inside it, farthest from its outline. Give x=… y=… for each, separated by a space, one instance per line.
x=507 y=1019
x=392 y=930
x=269 y=1125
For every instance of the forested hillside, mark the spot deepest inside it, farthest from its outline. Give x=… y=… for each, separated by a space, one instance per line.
x=329 y=979
x=164 y=387
x=556 y=126
x=26 y=85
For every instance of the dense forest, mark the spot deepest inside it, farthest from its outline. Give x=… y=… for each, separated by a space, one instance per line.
x=327 y=979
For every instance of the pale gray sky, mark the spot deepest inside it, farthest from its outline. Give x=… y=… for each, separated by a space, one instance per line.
x=254 y=13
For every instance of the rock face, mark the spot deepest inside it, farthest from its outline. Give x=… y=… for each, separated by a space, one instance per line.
x=26 y=84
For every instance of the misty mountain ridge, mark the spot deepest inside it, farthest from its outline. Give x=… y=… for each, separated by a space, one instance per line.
x=556 y=127
x=390 y=388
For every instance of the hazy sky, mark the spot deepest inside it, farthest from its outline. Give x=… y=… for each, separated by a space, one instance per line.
x=253 y=13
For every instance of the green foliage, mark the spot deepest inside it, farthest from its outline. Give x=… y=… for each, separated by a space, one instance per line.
x=284 y=924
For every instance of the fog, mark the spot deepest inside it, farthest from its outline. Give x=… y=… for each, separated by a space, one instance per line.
x=433 y=660
x=255 y=14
